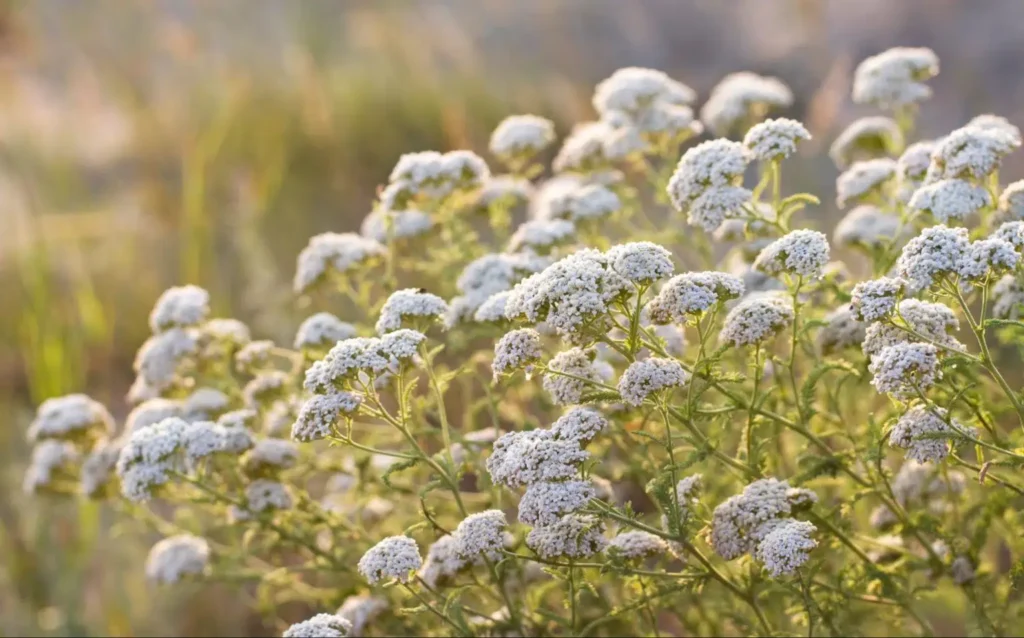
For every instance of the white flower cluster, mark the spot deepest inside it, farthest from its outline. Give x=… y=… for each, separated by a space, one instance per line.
x=569 y=372
x=867 y=226
x=50 y=459
x=521 y=137
x=874 y=299
x=925 y=433
x=865 y=180
x=334 y=252
x=573 y=536
x=972 y=151
x=73 y=417
x=895 y=78
x=542 y=235
x=691 y=294
x=707 y=182
x=568 y=293
x=785 y=548
x=641 y=263
x=320 y=412
x=395 y=557
x=773 y=140
x=842 y=330
x=546 y=502
x=866 y=138
x=633 y=90
x=429 y=176
x=912 y=168
x=802 y=253
x=741 y=97
x=151 y=412
x=263 y=495
x=1007 y=298
x=741 y=523
x=442 y=563
x=932 y=321
x=522 y=458
x=1011 y=201
x=270 y=456
x=177 y=557
x=636 y=544
x=481 y=535
x=990 y=256
x=487 y=276
x=516 y=350
x=935 y=252
x=649 y=376
x=361 y=610
x=637 y=103
x=403 y=304
x=384 y=226
x=950 y=199
x=566 y=198
x=580 y=424
x=98 y=468
x=179 y=307
x=756 y=319
x=905 y=369
x=320 y=626
x=362 y=355
x=321 y=331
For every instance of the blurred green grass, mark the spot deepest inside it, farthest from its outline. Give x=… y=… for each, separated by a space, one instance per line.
x=114 y=186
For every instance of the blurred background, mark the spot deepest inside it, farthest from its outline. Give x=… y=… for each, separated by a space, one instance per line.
x=146 y=144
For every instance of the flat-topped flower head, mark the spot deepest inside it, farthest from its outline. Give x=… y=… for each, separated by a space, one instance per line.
x=865 y=180
x=583 y=151
x=569 y=372
x=650 y=376
x=517 y=350
x=395 y=557
x=756 y=319
x=905 y=369
x=801 y=253
x=265 y=495
x=580 y=203
x=1013 y=233
x=1011 y=202
x=737 y=525
x=867 y=138
x=492 y=310
x=986 y=257
x=545 y=503
x=522 y=458
x=573 y=536
x=912 y=168
x=177 y=557
x=334 y=253
x=712 y=164
x=636 y=544
x=419 y=306
x=180 y=307
x=997 y=123
x=163 y=357
x=641 y=262
x=486 y=276
x=660 y=121
x=318 y=415
x=429 y=175
x=950 y=199
x=785 y=548
x=634 y=89
x=567 y=294
x=842 y=330
x=937 y=251
x=383 y=226
x=344 y=362
x=718 y=205
x=895 y=78
x=542 y=235
x=321 y=331
x=521 y=137
x=269 y=456
x=742 y=98
x=874 y=299
x=692 y=293
x=320 y=626
x=866 y=226
x=926 y=433
x=506 y=191
x=580 y=424
x=481 y=535
x=773 y=140
x=51 y=459
x=73 y=417
x=971 y=152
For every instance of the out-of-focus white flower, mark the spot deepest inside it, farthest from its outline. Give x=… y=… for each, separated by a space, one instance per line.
x=179 y=307
x=649 y=376
x=177 y=557
x=895 y=78
x=842 y=330
x=633 y=90
x=320 y=626
x=1011 y=202
x=161 y=358
x=70 y=417
x=962 y=570
x=925 y=433
x=394 y=557
x=49 y=457
x=866 y=226
x=322 y=330
x=269 y=456
x=1007 y=298
x=520 y=137
x=775 y=139
x=990 y=256
x=641 y=262
x=542 y=235
x=866 y=138
x=865 y=180
x=912 y=168
x=265 y=388
x=334 y=252
x=741 y=98
x=573 y=536
x=583 y=151
x=361 y=610
x=971 y=152
x=755 y=319
x=691 y=294
x=382 y=225
x=950 y=199
x=442 y=562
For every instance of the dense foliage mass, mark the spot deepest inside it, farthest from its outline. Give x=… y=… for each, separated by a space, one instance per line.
x=656 y=405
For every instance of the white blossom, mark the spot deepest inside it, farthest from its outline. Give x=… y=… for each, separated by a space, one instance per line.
x=72 y=417
x=691 y=294
x=481 y=535
x=318 y=415
x=320 y=626
x=936 y=251
x=161 y=358
x=755 y=319
x=442 y=562
x=636 y=544
x=1011 y=201
x=179 y=307
x=522 y=458
x=990 y=256
x=402 y=305
x=541 y=235
x=361 y=610
x=641 y=262
x=950 y=199
x=177 y=557
x=569 y=371
x=775 y=139
x=648 y=376
x=875 y=299
x=270 y=455
x=344 y=362
x=718 y=205
x=546 y=502
x=866 y=138
x=492 y=310
x=264 y=388
x=842 y=330
x=580 y=424
x=573 y=536
x=785 y=548
x=322 y=330
x=522 y=136
x=583 y=150
x=713 y=164
x=895 y=78
x=737 y=523
x=394 y=557
x=904 y=369
x=925 y=433
x=742 y=96
x=49 y=457
x=517 y=349
x=333 y=252
x=264 y=495
x=802 y=253
x=576 y=202
x=866 y=179
x=867 y=226
x=962 y=570
x=382 y=225
x=970 y=152
x=633 y=90
x=1007 y=298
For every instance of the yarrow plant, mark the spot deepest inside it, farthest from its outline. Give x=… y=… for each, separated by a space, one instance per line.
x=637 y=395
